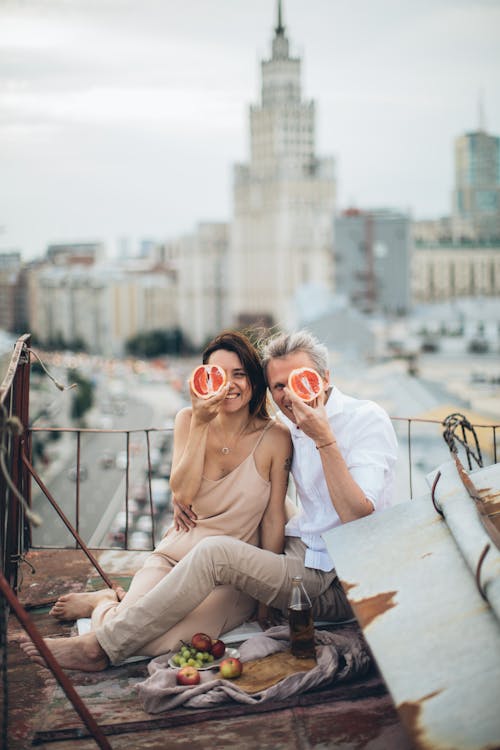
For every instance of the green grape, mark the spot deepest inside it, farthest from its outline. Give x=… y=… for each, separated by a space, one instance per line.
x=177 y=659
x=183 y=662
x=210 y=658
x=192 y=662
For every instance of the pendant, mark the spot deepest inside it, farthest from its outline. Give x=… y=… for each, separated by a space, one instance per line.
x=224 y=450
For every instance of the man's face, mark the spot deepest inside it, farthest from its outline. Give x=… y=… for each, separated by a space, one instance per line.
x=277 y=374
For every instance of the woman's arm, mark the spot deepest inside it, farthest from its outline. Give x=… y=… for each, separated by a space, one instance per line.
x=190 y=443
x=190 y=440
x=272 y=526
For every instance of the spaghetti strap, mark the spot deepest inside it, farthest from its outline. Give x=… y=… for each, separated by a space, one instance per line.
x=268 y=425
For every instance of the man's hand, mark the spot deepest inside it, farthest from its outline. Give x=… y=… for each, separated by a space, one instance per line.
x=184 y=517
x=311 y=417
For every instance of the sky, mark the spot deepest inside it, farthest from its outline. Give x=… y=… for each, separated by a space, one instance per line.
x=121 y=120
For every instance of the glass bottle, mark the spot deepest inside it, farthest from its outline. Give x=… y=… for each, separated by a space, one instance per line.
x=301 y=621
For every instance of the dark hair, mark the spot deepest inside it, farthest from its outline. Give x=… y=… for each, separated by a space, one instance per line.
x=234 y=341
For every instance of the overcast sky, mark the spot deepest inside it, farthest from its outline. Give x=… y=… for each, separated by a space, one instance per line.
x=123 y=118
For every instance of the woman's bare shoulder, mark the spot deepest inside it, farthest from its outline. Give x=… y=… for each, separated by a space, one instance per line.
x=278 y=431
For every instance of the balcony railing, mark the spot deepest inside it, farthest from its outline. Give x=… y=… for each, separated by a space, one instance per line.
x=24 y=495
x=142 y=489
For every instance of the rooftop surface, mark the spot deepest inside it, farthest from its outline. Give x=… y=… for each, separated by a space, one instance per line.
x=350 y=716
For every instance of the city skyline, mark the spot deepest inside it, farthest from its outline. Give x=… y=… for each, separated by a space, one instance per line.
x=119 y=124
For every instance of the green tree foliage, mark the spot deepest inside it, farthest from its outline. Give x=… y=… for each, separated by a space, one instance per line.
x=83 y=394
x=154 y=343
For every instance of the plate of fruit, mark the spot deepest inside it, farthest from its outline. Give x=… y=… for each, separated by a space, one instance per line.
x=202 y=652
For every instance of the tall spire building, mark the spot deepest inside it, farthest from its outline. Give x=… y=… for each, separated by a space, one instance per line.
x=284 y=200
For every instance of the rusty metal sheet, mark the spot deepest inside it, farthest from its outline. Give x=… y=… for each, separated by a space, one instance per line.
x=463 y=517
x=435 y=639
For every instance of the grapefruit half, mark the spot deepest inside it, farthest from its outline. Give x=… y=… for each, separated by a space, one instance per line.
x=207 y=380
x=306 y=383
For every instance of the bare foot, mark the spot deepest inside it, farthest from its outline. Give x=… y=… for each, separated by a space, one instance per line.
x=80 y=652
x=73 y=606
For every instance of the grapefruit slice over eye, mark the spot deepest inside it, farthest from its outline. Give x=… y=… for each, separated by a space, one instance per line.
x=207 y=380
x=306 y=383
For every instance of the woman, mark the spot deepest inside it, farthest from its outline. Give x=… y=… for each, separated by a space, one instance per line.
x=230 y=464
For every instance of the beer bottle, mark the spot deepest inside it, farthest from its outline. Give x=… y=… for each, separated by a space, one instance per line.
x=301 y=621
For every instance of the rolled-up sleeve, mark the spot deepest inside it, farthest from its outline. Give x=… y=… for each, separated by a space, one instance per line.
x=372 y=455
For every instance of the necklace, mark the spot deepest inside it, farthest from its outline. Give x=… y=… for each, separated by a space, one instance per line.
x=228 y=448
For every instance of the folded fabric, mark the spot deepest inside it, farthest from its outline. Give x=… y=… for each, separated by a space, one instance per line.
x=341 y=655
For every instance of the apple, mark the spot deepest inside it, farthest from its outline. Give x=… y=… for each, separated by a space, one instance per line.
x=230 y=668
x=218 y=648
x=201 y=642
x=188 y=676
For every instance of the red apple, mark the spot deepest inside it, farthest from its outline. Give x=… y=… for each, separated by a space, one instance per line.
x=201 y=642
x=218 y=648
x=188 y=676
x=230 y=668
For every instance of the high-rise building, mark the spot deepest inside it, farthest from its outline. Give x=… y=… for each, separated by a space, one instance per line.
x=201 y=282
x=476 y=197
x=372 y=259
x=284 y=200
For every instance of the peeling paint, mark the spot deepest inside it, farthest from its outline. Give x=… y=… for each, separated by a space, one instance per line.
x=348 y=586
x=370 y=608
x=410 y=714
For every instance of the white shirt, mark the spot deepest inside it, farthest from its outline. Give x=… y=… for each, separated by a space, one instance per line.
x=367 y=441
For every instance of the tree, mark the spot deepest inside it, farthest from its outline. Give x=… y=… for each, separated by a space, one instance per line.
x=83 y=394
x=154 y=343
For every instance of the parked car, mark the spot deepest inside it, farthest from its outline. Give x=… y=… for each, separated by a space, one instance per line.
x=106 y=460
x=121 y=460
x=478 y=346
x=73 y=473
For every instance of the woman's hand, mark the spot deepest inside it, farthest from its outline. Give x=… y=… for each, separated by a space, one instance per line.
x=206 y=409
x=184 y=517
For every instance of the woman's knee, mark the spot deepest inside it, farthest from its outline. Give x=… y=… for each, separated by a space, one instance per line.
x=218 y=548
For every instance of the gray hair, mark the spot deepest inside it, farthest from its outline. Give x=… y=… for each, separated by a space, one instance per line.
x=283 y=344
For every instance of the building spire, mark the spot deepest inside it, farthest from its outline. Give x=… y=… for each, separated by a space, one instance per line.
x=280 y=42
x=280 y=29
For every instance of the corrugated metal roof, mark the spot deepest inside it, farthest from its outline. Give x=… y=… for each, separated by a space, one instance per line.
x=410 y=575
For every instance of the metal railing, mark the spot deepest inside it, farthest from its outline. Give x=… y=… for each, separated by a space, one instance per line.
x=420 y=439
x=14 y=509
x=14 y=479
x=17 y=470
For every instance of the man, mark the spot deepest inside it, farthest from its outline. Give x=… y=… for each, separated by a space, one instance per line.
x=343 y=468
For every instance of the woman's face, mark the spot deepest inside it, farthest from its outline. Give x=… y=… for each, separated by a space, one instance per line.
x=240 y=392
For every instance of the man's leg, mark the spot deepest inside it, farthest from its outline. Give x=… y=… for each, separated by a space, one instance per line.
x=214 y=561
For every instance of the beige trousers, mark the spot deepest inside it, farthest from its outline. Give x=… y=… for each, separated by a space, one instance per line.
x=218 y=561
x=222 y=610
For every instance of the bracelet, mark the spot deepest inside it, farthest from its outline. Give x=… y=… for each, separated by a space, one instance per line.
x=325 y=445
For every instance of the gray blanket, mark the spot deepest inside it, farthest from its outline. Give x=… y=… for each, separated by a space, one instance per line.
x=341 y=655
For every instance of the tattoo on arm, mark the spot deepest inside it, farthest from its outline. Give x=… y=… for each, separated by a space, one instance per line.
x=288 y=463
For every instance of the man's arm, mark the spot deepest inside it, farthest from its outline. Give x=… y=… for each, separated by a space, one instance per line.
x=348 y=499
